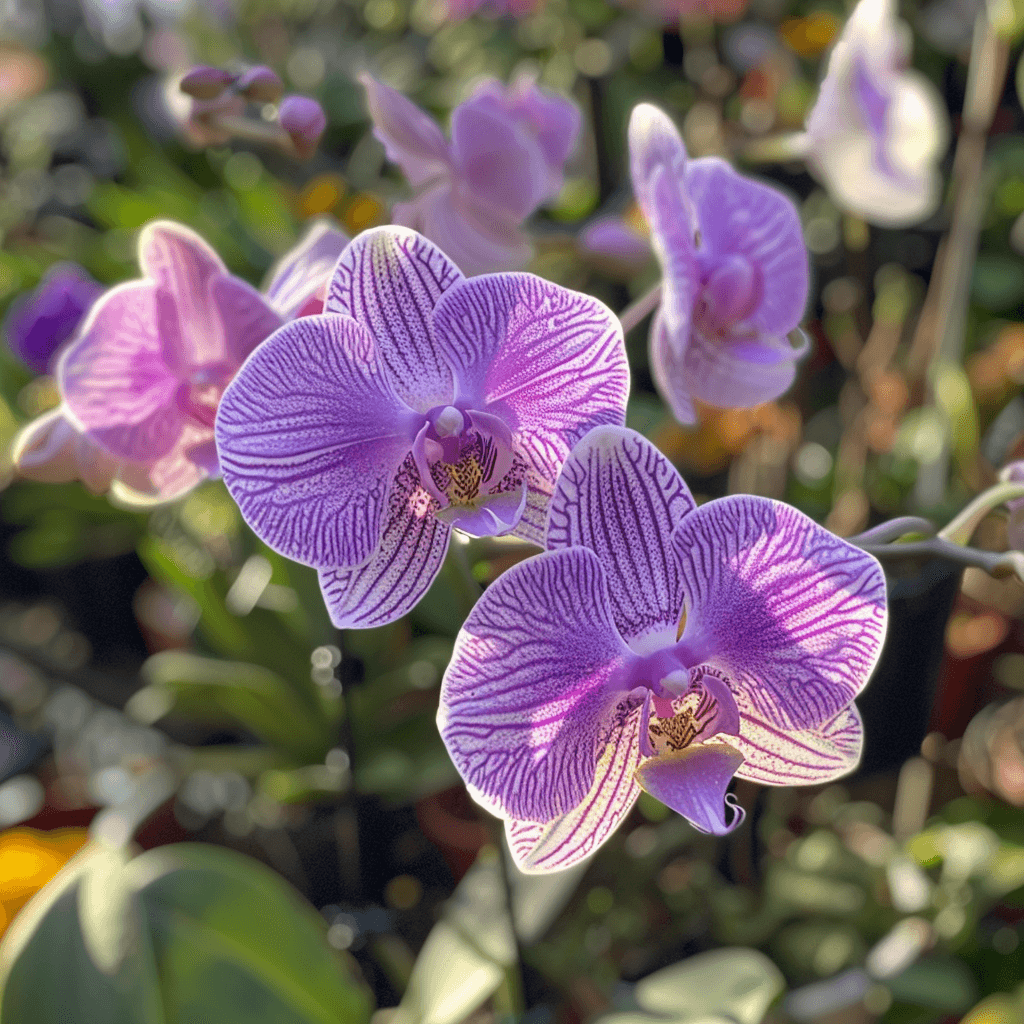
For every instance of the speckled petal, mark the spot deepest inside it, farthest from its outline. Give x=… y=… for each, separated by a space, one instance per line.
x=530 y=699
x=310 y=435
x=793 y=615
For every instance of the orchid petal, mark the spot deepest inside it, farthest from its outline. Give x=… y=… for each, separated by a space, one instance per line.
x=389 y=280
x=497 y=160
x=410 y=138
x=303 y=273
x=474 y=238
x=310 y=435
x=792 y=614
x=669 y=372
x=178 y=260
x=802 y=757
x=400 y=571
x=114 y=377
x=571 y=837
x=620 y=497
x=551 y=362
x=178 y=471
x=693 y=782
x=529 y=701
x=654 y=142
x=47 y=449
x=246 y=317
x=743 y=217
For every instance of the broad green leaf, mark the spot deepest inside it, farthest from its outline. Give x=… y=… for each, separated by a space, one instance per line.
x=186 y=934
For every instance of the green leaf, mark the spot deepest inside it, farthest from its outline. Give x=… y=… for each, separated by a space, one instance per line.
x=186 y=934
x=255 y=697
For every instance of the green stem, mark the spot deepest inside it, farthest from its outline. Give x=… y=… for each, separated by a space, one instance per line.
x=960 y=529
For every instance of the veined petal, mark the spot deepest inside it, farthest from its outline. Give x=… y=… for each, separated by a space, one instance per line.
x=178 y=472
x=620 y=497
x=310 y=435
x=302 y=275
x=792 y=614
x=549 y=361
x=669 y=372
x=177 y=259
x=412 y=140
x=115 y=380
x=566 y=840
x=800 y=757
x=529 y=701
x=693 y=782
x=731 y=372
x=740 y=216
x=246 y=315
x=389 y=280
x=400 y=571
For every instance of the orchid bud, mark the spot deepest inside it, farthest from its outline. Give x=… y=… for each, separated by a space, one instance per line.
x=261 y=85
x=206 y=83
x=305 y=121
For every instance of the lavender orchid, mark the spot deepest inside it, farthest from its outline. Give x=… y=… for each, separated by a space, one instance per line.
x=508 y=149
x=657 y=646
x=142 y=379
x=735 y=273
x=877 y=130
x=418 y=402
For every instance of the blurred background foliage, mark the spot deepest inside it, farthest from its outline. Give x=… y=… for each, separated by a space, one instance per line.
x=175 y=687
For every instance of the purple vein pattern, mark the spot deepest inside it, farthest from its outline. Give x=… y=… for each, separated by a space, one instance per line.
x=735 y=274
x=141 y=380
x=418 y=402
x=657 y=646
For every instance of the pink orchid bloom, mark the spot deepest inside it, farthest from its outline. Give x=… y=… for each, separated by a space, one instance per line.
x=142 y=379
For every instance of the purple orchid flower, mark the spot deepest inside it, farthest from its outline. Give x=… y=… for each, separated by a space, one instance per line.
x=41 y=322
x=877 y=130
x=142 y=379
x=735 y=273
x=657 y=646
x=508 y=150
x=419 y=401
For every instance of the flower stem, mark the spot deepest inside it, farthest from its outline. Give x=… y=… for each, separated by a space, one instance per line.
x=640 y=308
x=960 y=529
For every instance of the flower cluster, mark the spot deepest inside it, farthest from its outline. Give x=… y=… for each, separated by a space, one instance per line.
x=141 y=381
x=657 y=646
x=506 y=158
x=735 y=273
x=419 y=401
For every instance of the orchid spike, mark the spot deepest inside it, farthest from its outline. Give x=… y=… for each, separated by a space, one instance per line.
x=141 y=381
x=657 y=646
x=506 y=157
x=1013 y=472
x=38 y=324
x=735 y=274
x=878 y=129
x=419 y=402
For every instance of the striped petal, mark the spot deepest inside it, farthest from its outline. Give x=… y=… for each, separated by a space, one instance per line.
x=391 y=583
x=549 y=361
x=389 y=280
x=566 y=840
x=805 y=757
x=300 y=278
x=246 y=315
x=310 y=435
x=693 y=782
x=115 y=379
x=530 y=699
x=620 y=497
x=793 y=615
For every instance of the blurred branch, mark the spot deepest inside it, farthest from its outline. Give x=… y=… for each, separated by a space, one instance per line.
x=640 y=308
x=996 y=563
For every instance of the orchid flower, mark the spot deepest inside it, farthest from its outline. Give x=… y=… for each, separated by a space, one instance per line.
x=506 y=157
x=877 y=131
x=661 y=647
x=38 y=324
x=735 y=274
x=142 y=379
x=419 y=401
